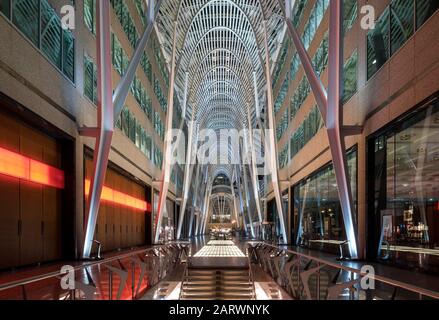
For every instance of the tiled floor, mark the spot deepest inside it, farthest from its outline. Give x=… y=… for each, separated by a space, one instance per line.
x=219 y=251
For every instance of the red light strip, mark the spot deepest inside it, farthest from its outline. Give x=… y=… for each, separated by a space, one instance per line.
x=15 y=165
x=117 y=197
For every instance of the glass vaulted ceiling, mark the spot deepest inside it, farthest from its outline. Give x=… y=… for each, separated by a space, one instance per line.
x=220 y=48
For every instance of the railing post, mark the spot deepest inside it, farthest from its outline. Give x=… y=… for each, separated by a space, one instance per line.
x=110 y=285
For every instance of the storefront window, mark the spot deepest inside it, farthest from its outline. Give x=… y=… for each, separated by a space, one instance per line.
x=407 y=190
x=317 y=205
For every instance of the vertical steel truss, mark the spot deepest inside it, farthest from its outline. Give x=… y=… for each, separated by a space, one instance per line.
x=168 y=141
x=109 y=107
x=272 y=154
x=329 y=106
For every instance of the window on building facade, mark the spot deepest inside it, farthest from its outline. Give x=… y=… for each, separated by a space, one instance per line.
x=283 y=157
x=90 y=15
x=317 y=205
x=281 y=61
x=424 y=10
x=5 y=8
x=41 y=25
x=378 y=45
x=132 y=129
x=401 y=23
x=393 y=29
x=298 y=14
x=306 y=131
x=51 y=34
x=350 y=77
x=350 y=13
x=282 y=125
x=316 y=17
x=403 y=184
x=90 y=79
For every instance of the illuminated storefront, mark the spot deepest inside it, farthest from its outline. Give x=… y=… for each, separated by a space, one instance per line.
x=403 y=223
x=318 y=218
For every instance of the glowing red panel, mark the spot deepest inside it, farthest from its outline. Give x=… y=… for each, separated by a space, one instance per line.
x=117 y=197
x=18 y=166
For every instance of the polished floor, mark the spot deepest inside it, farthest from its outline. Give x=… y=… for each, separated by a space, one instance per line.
x=218 y=270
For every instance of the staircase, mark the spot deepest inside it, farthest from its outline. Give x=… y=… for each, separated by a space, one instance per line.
x=217 y=284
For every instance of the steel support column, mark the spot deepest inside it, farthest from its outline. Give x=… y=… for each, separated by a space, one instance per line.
x=272 y=154
x=168 y=142
x=334 y=121
x=194 y=201
x=108 y=109
x=234 y=202
x=315 y=82
x=187 y=175
x=241 y=201
x=247 y=201
x=105 y=125
x=329 y=106
x=123 y=88
x=254 y=172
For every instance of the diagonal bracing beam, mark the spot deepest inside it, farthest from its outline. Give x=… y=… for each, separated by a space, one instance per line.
x=109 y=109
x=168 y=141
x=272 y=139
x=329 y=106
x=105 y=122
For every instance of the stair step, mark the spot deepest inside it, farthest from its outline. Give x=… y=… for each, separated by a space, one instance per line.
x=210 y=284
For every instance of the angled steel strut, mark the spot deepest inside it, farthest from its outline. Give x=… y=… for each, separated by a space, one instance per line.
x=109 y=107
x=329 y=106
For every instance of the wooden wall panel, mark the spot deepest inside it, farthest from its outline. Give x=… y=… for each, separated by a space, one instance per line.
x=31 y=203
x=119 y=227
x=30 y=214
x=9 y=199
x=117 y=216
x=52 y=205
x=109 y=182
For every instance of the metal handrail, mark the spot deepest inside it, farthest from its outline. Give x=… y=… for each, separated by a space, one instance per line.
x=341 y=266
x=57 y=274
x=250 y=275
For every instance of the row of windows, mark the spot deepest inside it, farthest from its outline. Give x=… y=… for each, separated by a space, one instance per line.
x=314 y=21
x=39 y=22
x=141 y=10
x=281 y=61
x=283 y=157
x=319 y=61
x=307 y=130
x=131 y=128
x=316 y=17
x=282 y=94
x=158 y=126
x=317 y=14
x=282 y=125
x=395 y=26
x=160 y=60
x=126 y=20
x=159 y=94
x=120 y=63
x=298 y=14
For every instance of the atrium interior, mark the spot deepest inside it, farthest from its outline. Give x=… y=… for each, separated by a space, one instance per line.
x=219 y=150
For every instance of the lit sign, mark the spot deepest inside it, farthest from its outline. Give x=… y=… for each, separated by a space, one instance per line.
x=18 y=166
x=117 y=197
